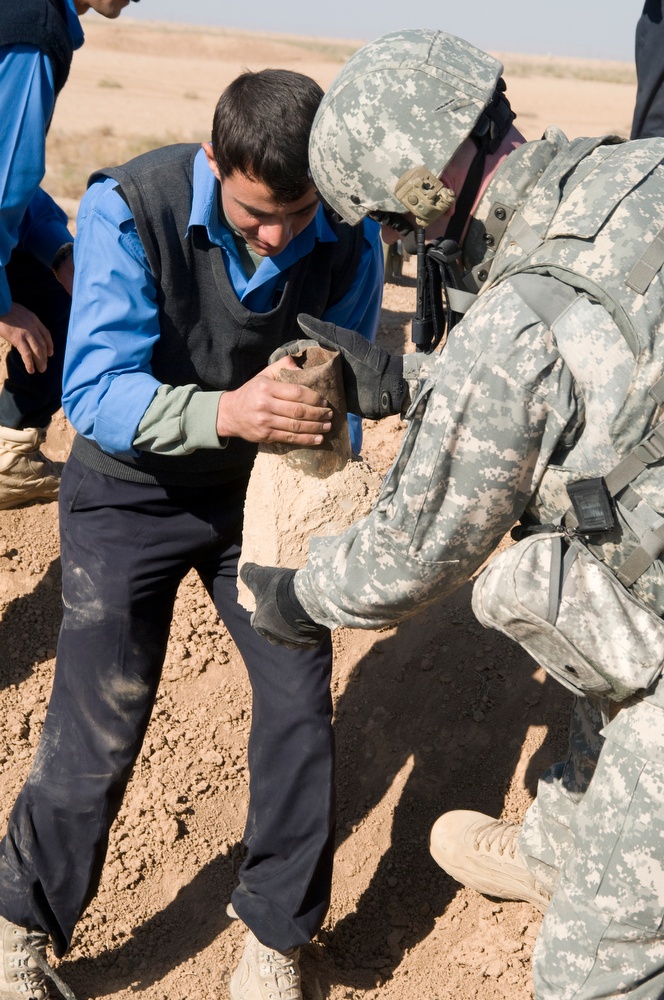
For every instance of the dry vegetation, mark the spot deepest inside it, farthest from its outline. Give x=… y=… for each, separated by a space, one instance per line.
x=568 y=69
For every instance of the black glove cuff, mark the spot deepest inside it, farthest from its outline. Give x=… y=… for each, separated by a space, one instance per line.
x=393 y=387
x=293 y=614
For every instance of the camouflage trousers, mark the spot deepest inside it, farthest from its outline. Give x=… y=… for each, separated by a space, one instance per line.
x=595 y=838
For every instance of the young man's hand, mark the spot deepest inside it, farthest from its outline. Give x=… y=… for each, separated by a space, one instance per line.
x=26 y=332
x=265 y=411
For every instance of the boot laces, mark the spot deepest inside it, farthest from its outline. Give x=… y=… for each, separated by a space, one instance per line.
x=500 y=834
x=284 y=979
x=31 y=966
x=24 y=963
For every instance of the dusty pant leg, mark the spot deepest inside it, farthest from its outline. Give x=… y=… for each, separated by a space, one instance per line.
x=285 y=881
x=546 y=841
x=31 y=400
x=110 y=651
x=602 y=936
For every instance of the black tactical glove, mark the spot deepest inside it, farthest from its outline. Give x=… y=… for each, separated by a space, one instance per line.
x=373 y=379
x=279 y=617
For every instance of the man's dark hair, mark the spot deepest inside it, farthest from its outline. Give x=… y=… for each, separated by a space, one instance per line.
x=261 y=127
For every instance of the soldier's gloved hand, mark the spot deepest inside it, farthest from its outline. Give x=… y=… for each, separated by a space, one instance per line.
x=292 y=347
x=373 y=379
x=279 y=616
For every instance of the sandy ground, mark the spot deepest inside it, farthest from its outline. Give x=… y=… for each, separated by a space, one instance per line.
x=434 y=715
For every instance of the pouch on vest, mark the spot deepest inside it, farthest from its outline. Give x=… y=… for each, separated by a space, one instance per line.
x=570 y=613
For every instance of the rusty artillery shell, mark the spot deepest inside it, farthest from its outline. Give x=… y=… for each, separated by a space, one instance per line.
x=319 y=369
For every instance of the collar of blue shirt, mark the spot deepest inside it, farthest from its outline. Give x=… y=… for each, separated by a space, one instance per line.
x=73 y=24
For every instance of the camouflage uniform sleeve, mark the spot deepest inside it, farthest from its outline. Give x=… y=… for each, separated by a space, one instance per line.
x=482 y=427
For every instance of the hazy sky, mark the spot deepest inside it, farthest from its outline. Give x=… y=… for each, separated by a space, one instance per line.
x=598 y=29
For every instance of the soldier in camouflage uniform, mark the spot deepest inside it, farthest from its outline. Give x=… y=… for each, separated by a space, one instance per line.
x=555 y=375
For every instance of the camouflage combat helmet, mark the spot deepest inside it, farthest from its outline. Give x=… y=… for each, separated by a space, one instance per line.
x=394 y=117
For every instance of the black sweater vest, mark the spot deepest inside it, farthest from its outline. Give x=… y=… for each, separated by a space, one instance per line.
x=42 y=23
x=207 y=337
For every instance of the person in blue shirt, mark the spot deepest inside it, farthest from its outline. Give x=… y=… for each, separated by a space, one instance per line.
x=192 y=265
x=37 y=41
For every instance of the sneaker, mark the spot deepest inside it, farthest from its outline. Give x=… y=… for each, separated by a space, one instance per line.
x=265 y=974
x=482 y=853
x=20 y=975
x=26 y=474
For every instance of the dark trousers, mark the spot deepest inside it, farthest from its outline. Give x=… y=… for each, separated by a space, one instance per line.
x=125 y=548
x=649 y=55
x=31 y=400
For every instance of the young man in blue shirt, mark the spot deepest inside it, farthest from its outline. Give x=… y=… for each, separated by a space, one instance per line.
x=37 y=41
x=191 y=268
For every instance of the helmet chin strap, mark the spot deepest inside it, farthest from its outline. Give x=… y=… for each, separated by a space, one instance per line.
x=493 y=125
x=467 y=195
x=437 y=263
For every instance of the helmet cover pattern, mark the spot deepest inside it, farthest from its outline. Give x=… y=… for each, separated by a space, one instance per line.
x=407 y=99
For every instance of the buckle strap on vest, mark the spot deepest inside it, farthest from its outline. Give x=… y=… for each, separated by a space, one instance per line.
x=648 y=264
x=647 y=452
x=651 y=543
x=524 y=234
x=459 y=300
x=644 y=555
x=548 y=300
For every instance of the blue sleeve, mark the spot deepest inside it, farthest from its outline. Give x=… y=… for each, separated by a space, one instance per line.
x=26 y=105
x=359 y=309
x=43 y=228
x=107 y=381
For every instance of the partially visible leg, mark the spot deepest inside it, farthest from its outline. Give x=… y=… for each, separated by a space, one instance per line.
x=503 y=860
x=285 y=881
x=546 y=839
x=31 y=400
x=27 y=402
x=648 y=117
x=602 y=936
x=284 y=888
x=120 y=569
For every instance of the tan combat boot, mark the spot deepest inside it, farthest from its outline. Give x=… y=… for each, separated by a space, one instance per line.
x=482 y=853
x=26 y=474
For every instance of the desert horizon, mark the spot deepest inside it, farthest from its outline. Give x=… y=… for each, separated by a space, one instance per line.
x=136 y=85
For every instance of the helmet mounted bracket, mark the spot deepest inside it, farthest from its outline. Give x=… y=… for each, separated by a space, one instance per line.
x=423 y=195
